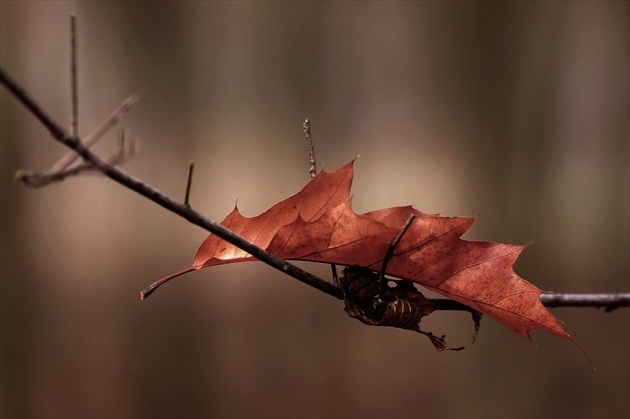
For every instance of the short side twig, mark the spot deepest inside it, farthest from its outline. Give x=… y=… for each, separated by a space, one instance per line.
x=191 y=167
x=313 y=172
x=390 y=250
x=62 y=169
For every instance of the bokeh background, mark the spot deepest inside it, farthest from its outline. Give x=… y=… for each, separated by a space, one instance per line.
x=517 y=111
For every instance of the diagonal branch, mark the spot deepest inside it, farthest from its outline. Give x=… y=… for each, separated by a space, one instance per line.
x=160 y=198
x=607 y=301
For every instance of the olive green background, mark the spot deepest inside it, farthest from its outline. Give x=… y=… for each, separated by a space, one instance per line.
x=515 y=111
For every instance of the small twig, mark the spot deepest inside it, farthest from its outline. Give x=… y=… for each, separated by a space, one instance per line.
x=191 y=167
x=311 y=149
x=37 y=179
x=390 y=252
x=61 y=169
x=126 y=148
x=74 y=117
x=609 y=302
x=335 y=275
x=313 y=172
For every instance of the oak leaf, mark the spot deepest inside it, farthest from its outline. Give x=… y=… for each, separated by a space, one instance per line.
x=317 y=224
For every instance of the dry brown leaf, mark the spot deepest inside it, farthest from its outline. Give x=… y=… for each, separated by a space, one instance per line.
x=317 y=224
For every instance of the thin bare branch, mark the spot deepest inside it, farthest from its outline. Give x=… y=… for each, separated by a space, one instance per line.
x=608 y=301
x=160 y=198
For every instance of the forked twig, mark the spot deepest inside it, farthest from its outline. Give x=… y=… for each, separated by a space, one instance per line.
x=110 y=122
x=36 y=179
x=61 y=169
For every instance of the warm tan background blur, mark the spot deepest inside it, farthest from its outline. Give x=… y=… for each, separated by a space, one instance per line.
x=518 y=111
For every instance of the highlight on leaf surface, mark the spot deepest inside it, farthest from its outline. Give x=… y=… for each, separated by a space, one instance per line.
x=318 y=224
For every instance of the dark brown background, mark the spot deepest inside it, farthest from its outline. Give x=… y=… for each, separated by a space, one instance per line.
x=518 y=111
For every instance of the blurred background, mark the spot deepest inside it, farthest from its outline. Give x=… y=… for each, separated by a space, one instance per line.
x=517 y=111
